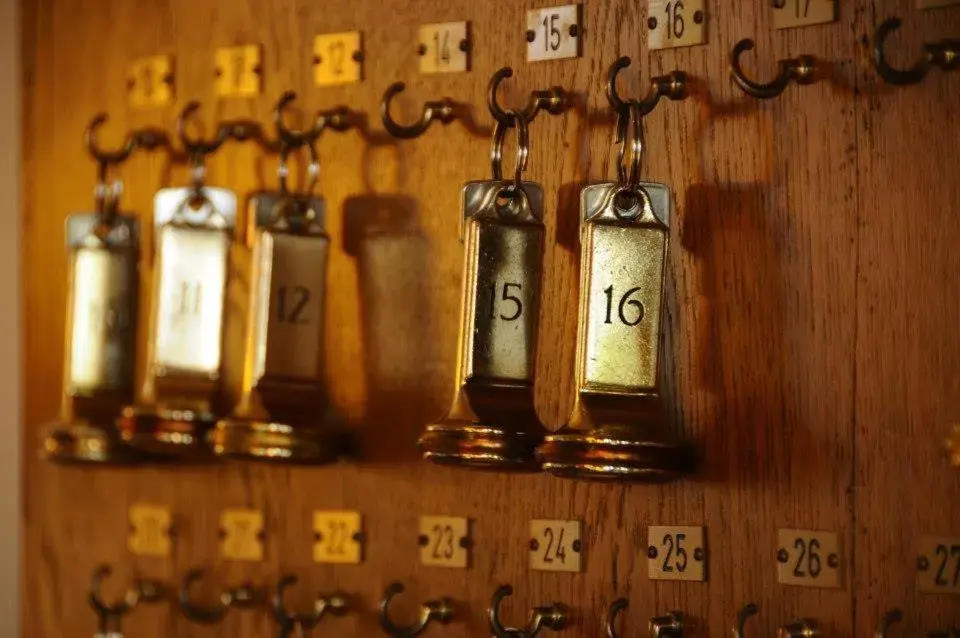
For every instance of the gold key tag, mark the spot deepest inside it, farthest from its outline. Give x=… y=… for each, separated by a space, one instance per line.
x=492 y=422
x=614 y=430
x=194 y=229
x=100 y=338
x=283 y=379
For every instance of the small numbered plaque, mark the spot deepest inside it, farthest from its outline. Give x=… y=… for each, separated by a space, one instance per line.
x=938 y=565
x=241 y=532
x=149 y=530
x=676 y=553
x=935 y=4
x=337 y=58
x=238 y=71
x=338 y=537
x=555 y=546
x=808 y=558
x=151 y=81
x=676 y=23
x=445 y=541
x=554 y=33
x=802 y=13
x=444 y=47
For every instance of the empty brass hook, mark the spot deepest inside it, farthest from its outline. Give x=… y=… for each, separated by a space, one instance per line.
x=442 y=110
x=552 y=617
x=805 y=628
x=673 y=86
x=800 y=70
x=889 y=619
x=432 y=610
x=944 y=54
x=553 y=100
x=668 y=626
x=288 y=621
x=146 y=591
x=241 y=597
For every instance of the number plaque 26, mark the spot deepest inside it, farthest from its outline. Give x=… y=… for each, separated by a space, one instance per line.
x=808 y=558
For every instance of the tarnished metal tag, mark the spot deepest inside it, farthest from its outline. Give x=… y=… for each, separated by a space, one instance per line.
x=103 y=304
x=624 y=241
x=191 y=276
x=504 y=238
x=289 y=275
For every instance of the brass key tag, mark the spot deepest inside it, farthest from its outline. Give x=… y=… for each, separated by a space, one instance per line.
x=102 y=308
x=614 y=430
x=194 y=229
x=492 y=422
x=277 y=418
x=99 y=357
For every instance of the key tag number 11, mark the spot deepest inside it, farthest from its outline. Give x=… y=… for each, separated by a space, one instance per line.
x=194 y=229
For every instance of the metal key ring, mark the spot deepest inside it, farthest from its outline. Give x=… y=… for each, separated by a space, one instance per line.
x=523 y=146
x=629 y=176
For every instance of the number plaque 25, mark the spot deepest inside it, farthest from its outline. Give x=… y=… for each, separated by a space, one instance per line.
x=676 y=553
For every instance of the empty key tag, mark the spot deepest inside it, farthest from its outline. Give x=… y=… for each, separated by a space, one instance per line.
x=194 y=231
x=279 y=417
x=492 y=422
x=100 y=346
x=616 y=429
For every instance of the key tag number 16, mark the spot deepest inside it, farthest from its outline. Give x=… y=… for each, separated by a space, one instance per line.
x=676 y=23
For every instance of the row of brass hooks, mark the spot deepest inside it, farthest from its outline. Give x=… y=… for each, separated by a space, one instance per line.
x=553 y=100
x=240 y=130
x=440 y=611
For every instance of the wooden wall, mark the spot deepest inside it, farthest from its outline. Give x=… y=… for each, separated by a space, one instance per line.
x=812 y=325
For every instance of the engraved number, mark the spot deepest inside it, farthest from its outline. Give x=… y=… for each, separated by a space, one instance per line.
x=507 y=297
x=551 y=34
x=337 y=52
x=623 y=309
x=339 y=534
x=780 y=4
x=291 y=302
x=946 y=553
x=813 y=558
x=443 y=545
x=681 y=553
x=675 y=23
x=441 y=47
x=190 y=295
x=552 y=552
x=111 y=315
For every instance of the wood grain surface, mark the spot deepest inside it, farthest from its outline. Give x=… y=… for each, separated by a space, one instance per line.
x=812 y=337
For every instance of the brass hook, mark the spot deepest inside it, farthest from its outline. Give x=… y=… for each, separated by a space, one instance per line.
x=238 y=130
x=750 y=609
x=800 y=70
x=669 y=626
x=442 y=110
x=673 y=86
x=553 y=100
x=432 y=610
x=337 y=119
x=103 y=157
x=944 y=54
x=147 y=591
x=288 y=622
x=552 y=617
x=242 y=597
x=889 y=619
x=805 y=628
